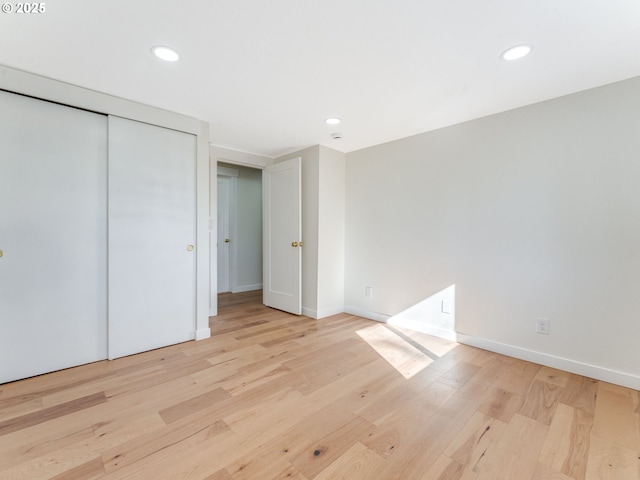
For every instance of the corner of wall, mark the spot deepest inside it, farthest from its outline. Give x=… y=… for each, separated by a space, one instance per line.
x=203 y=333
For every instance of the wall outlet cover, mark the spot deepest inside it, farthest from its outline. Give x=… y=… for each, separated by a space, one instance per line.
x=542 y=326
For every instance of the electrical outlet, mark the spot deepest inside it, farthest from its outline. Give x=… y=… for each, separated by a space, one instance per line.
x=542 y=326
x=368 y=292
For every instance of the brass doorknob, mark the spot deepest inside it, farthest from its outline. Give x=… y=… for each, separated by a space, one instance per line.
x=294 y=244
x=189 y=248
x=1 y=253
x=226 y=240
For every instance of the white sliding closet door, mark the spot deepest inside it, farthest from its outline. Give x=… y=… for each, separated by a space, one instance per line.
x=53 y=196
x=152 y=232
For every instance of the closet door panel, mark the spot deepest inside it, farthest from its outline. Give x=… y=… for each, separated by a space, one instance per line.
x=52 y=236
x=152 y=232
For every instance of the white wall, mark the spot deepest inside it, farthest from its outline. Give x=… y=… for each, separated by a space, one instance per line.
x=323 y=224
x=331 y=228
x=530 y=213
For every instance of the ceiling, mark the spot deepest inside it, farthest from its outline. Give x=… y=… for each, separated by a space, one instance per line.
x=266 y=73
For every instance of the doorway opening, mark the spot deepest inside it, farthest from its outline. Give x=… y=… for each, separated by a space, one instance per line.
x=239 y=220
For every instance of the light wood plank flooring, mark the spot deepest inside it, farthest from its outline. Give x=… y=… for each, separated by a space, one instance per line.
x=275 y=396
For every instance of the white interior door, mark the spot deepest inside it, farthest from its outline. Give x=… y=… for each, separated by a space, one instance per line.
x=282 y=236
x=224 y=240
x=53 y=223
x=152 y=231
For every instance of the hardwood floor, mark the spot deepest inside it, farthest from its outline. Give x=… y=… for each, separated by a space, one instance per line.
x=275 y=396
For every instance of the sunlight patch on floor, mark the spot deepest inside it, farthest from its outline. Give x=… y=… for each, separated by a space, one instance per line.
x=437 y=347
x=399 y=353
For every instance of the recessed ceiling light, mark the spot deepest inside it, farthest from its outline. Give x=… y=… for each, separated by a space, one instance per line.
x=165 y=53
x=332 y=121
x=516 y=52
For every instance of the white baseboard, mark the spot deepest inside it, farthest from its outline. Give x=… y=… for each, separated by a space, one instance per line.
x=420 y=327
x=378 y=317
x=428 y=329
x=321 y=313
x=310 y=312
x=587 y=370
x=561 y=363
x=203 y=333
x=247 y=288
x=327 y=312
